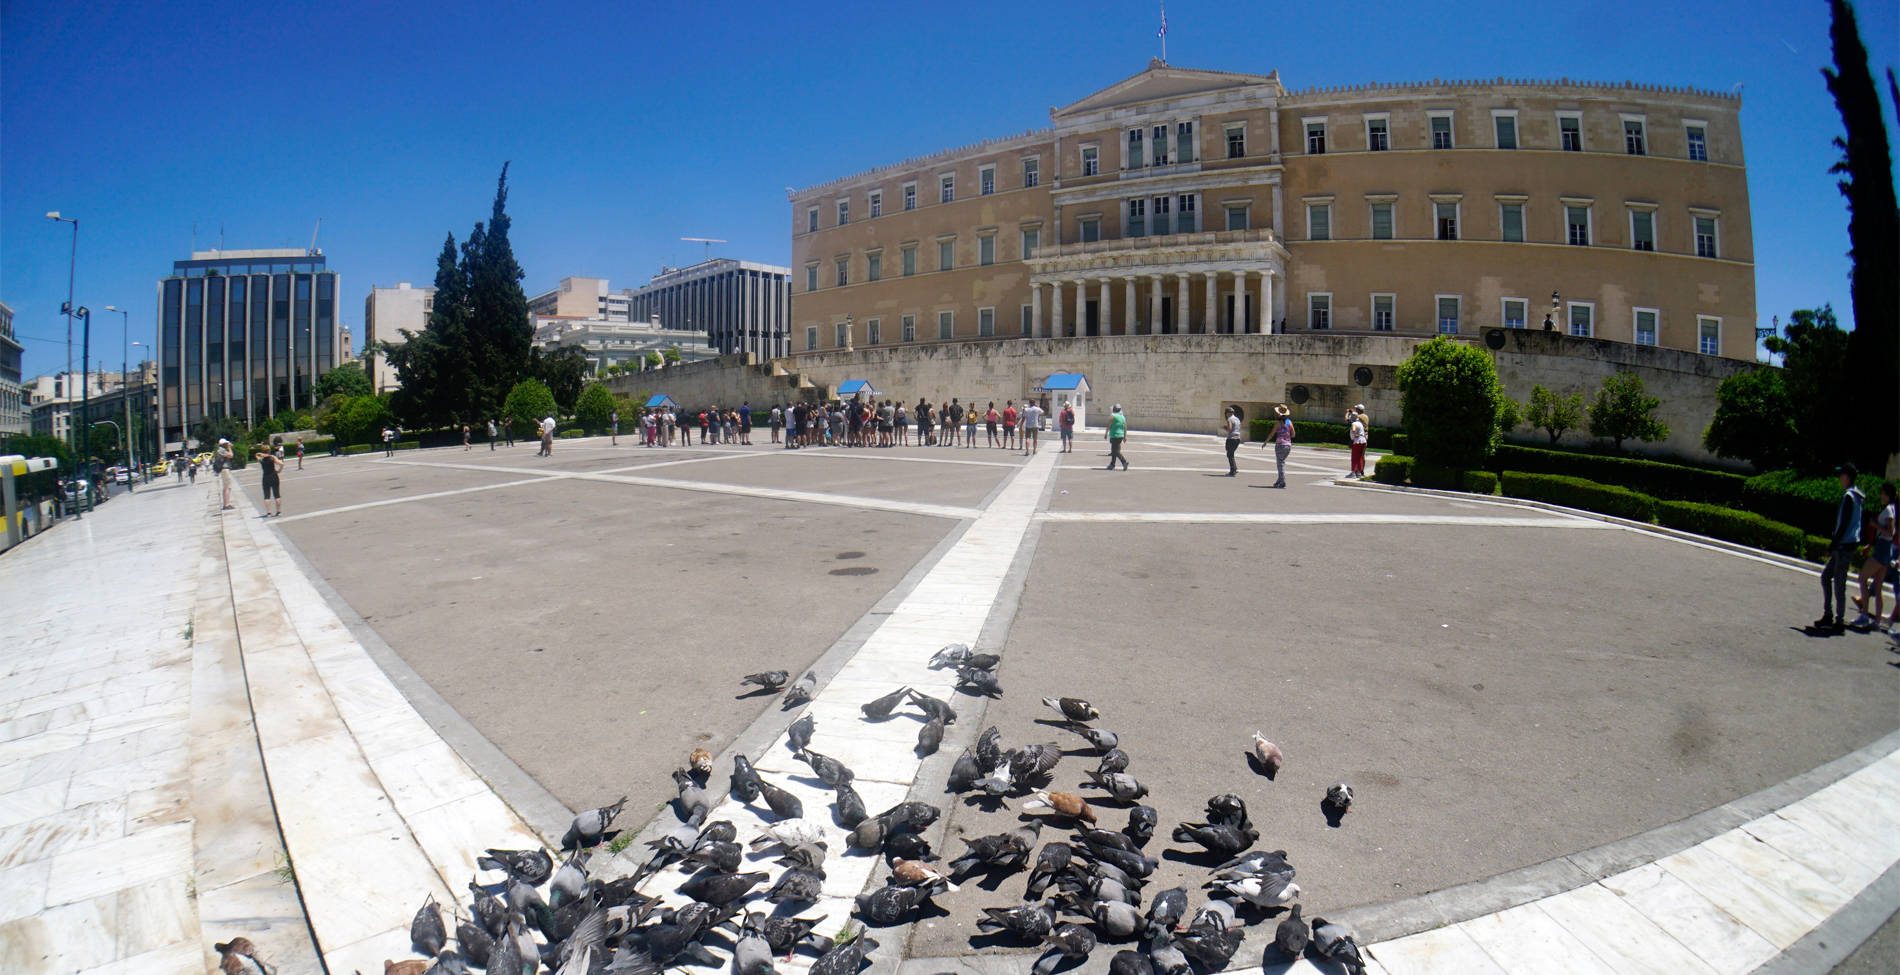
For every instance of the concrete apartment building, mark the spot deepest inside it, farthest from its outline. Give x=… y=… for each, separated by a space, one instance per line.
x=386 y=313
x=587 y=298
x=739 y=306
x=1183 y=200
x=621 y=343
x=13 y=415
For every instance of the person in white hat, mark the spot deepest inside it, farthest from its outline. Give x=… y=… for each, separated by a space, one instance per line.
x=221 y=462
x=1356 y=436
x=1282 y=442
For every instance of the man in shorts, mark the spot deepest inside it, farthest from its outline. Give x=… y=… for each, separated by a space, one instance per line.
x=1009 y=424
x=1032 y=425
x=273 y=468
x=1067 y=421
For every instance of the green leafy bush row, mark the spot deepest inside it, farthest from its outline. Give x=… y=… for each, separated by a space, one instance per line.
x=1676 y=482
x=1744 y=527
x=1438 y=478
x=364 y=448
x=1575 y=492
x=1481 y=482
x=1392 y=469
x=1807 y=502
x=575 y=434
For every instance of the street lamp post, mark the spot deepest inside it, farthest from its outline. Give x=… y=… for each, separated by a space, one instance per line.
x=72 y=264
x=84 y=315
x=1550 y=318
x=125 y=388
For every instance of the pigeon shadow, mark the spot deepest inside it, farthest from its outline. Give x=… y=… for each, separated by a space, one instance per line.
x=1066 y=963
x=996 y=939
x=790 y=704
x=992 y=879
x=1259 y=767
x=986 y=802
x=755 y=692
x=1334 y=815
x=1281 y=963
x=1325 y=964
x=1198 y=858
x=1063 y=723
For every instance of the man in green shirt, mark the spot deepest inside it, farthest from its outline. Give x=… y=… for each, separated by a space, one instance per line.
x=1117 y=432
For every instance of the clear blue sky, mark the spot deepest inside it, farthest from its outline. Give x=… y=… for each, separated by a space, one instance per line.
x=632 y=125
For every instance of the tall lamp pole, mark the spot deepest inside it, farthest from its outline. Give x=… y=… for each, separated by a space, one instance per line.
x=125 y=388
x=72 y=264
x=84 y=315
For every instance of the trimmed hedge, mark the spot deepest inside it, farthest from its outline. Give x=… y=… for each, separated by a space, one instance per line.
x=1319 y=431
x=1402 y=444
x=1675 y=482
x=364 y=448
x=1729 y=524
x=1806 y=502
x=1481 y=482
x=1438 y=478
x=1575 y=492
x=1814 y=548
x=570 y=434
x=314 y=446
x=1392 y=469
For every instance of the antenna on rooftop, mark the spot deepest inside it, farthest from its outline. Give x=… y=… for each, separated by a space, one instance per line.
x=312 y=251
x=708 y=241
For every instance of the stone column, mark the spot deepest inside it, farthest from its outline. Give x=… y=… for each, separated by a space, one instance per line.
x=1035 y=310
x=1128 y=305
x=1055 y=310
x=1182 y=302
x=1107 y=323
x=1213 y=302
x=1266 y=302
x=1154 y=304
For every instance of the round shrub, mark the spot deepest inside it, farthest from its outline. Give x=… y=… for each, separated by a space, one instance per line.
x=1450 y=395
x=1392 y=469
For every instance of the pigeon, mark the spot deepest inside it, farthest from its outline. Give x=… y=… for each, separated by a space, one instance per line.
x=929 y=737
x=1292 y=934
x=719 y=888
x=1335 y=941
x=934 y=708
x=1127 y=962
x=850 y=806
x=989 y=747
x=981 y=682
x=1068 y=804
x=845 y=957
x=745 y=779
x=239 y=957
x=800 y=692
x=1259 y=863
x=412 y=966
x=914 y=814
x=752 y=954
x=1141 y=824
x=1167 y=909
x=569 y=882
x=771 y=680
x=789 y=833
x=799 y=734
x=964 y=773
x=1120 y=786
x=1267 y=755
x=1339 y=798
x=532 y=867
x=997 y=781
x=447 y=962
x=505 y=958
x=870 y=834
x=590 y=825
x=1073 y=708
x=1228 y=810
x=1053 y=860
x=1103 y=740
x=798 y=885
x=699 y=762
x=999 y=851
x=916 y=873
x=784 y=933
x=890 y=904
x=719 y=854
x=783 y=804
x=1167 y=956
x=1114 y=918
x=1029 y=922
x=950 y=656
x=982 y=661
x=1098 y=838
x=474 y=942
x=489 y=912
x=426 y=933
x=1113 y=760
x=692 y=804
x=1263 y=891
x=829 y=770
x=1219 y=840
x=880 y=709
x=526 y=901
x=907 y=845
x=1031 y=762
x=1067 y=941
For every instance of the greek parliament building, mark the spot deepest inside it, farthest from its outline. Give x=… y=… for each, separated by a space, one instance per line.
x=1204 y=201
x=740 y=306
x=243 y=334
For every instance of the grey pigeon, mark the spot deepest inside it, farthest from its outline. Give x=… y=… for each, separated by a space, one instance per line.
x=880 y=709
x=1141 y=824
x=950 y=656
x=475 y=942
x=720 y=889
x=1219 y=840
x=829 y=770
x=1031 y=762
x=569 y=882
x=1167 y=909
x=964 y=773
x=1335 y=941
x=1292 y=934
x=426 y=933
x=751 y=954
x=692 y=803
x=933 y=708
x=845 y=957
x=745 y=779
x=718 y=854
x=1228 y=810
x=799 y=734
x=999 y=851
x=447 y=962
x=1167 y=956
x=912 y=813
x=1115 y=918
x=528 y=866
x=784 y=933
x=800 y=692
x=981 y=682
x=1113 y=760
x=798 y=885
x=1073 y=708
x=930 y=737
x=1128 y=962
x=1066 y=942
x=489 y=911
x=771 y=680
x=590 y=825
x=850 y=806
x=1120 y=786
x=783 y=804
x=906 y=845
x=1100 y=738
x=1050 y=863
x=890 y=904
x=989 y=747
x=1029 y=922
x=982 y=661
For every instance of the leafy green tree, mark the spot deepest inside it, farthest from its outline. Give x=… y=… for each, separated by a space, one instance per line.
x=528 y=402
x=1624 y=411
x=1754 y=420
x=655 y=360
x=595 y=404
x=1449 y=397
x=347 y=379
x=359 y=419
x=1510 y=414
x=672 y=354
x=1873 y=233
x=564 y=370
x=1814 y=359
x=1553 y=414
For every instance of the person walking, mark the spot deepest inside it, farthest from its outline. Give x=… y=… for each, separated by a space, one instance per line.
x=1879 y=564
x=1032 y=428
x=491 y=434
x=273 y=470
x=1841 y=546
x=300 y=453
x=389 y=442
x=1066 y=420
x=1282 y=442
x=465 y=442
x=1233 y=439
x=1009 y=423
x=547 y=435
x=1356 y=436
x=1117 y=432
x=613 y=429
x=221 y=465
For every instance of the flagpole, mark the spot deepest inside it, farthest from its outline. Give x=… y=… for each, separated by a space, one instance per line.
x=1164 y=33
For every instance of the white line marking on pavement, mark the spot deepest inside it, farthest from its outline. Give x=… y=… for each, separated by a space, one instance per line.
x=857 y=455
x=1319 y=518
x=414 y=497
x=1205 y=470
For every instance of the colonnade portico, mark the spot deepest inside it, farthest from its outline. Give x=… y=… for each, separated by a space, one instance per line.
x=1239 y=266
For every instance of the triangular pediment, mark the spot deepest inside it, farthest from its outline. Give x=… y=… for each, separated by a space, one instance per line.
x=1161 y=82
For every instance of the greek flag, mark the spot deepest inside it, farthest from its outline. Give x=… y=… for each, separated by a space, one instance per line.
x=1163 y=32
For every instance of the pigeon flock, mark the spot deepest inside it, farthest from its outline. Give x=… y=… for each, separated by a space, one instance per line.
x=1083 y=891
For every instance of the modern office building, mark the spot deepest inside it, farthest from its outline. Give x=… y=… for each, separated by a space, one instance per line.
x=243 y=334
x=1205 y=201
x=617 y=343
x=740 y=306
x=387 y=313
x=13 y=417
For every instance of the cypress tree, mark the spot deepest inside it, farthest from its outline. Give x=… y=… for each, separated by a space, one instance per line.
x=499 y=333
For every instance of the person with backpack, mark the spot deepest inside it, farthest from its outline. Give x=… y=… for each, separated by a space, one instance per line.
x=1066 y=420
x=1282 y=442
x=221 y=466
x=1841 y=546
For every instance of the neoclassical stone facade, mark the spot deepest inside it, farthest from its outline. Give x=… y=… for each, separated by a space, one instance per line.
x=1185 y=201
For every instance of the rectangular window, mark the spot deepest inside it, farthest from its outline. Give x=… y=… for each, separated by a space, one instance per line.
x=1032 y=239
x=1698 y=142
x=811 y=277
x=877 y=203
x=910 y=196
x=843 y=335
x=1708 y=338
x=844 y=271
x=907 y=327
x=1642 y=230
x=1515 y=310
x=947 y=188
x=946 y=255
x=1187 y=214
x=1645 y=326
x=1378 y=134
x=986 y=249
x=910 y=261
x=1506 y=129
x=1319 y=311
x=1582 y=319
x=1236 y=218
x=1382 y=221
x=1448 y=314
x=1184 y=142
x=1137 y=138
x=986 y=322
x=1633 y=142
x=1236 y=141
x=844 y=212
x=1137 y=218
x=1705 y=237
x=1091 y=161
x=1577 y=220
x=874 y=331
x=1027 y=322
x=1441 y=130
x=986 y=180
x=1511 y=222
x=811 y=336
x=873 y=267
x=946 y=324
x=1447 y=218
x=1090 y=229
x=1383 y=311
x=1570 y=132
x=811 y=219
x=1158 y=145
x=1032 y=172
x=1319 y=221
x=1160 y=225
x=1315 y=138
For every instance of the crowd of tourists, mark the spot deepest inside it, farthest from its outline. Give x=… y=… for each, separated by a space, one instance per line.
x=865 y=423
